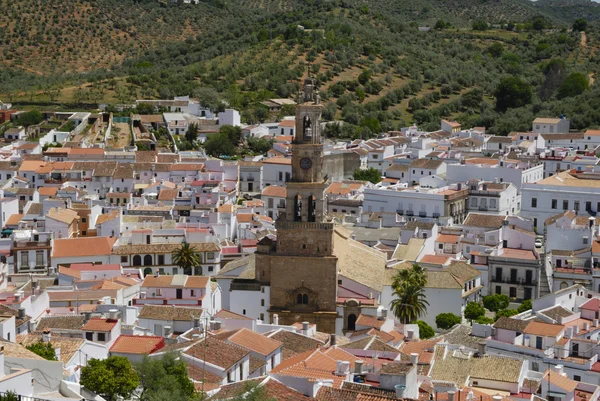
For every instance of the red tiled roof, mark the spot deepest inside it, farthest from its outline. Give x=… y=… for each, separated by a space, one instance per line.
x=253 y=341
x=99 y=324
x=274 y=190
x=227 y=314
x=369 y=321
x=86 y=246
x=592 y=304
x=217 y=352
x=128 y=344
x=447 y=238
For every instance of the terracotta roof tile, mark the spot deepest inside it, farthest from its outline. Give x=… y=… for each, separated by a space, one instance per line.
x=294 y=343
x=253 y=341
x=85 y=246
x=369 y=321
x=274 y=190
x=60 y=323
x=217 y=352
x=99 y=324
x=177 y=313
x=543 y=329
x=128 y=344
x=484 y=220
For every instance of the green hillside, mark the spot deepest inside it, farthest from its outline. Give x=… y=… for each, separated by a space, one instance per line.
x=375 y=68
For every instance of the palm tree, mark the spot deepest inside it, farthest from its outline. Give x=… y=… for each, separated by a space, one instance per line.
x=186 y=257
x=409 y=303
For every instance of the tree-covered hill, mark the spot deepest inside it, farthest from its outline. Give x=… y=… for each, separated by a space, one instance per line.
x=375 y=68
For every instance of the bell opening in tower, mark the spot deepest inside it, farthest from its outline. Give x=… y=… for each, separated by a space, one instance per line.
x=307 y=128
x=312 y=209
x=297 y=208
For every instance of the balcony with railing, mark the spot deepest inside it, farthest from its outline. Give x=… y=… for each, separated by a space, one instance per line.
x=514 y=280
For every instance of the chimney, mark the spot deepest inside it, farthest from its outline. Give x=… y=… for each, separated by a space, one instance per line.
x=332 y=340
x=414 y=358
x=113 y=314
x=46 y=336
x=595 y=322
x=217 y=325
x=21 y=314
x=305 y=328
x=196 y=322
x=450 y=395
x=143 y=295
x=575 y=330
x=497 y=398
x=17 y=297
x=358 y=365
x=586 y=326
x=481 y=348
x=342 y=368
x=400 y=390
x=276 y=319
x=569 y=332
x=559 y=369
x=87 y=316
x=166 y=331
x=128 y=275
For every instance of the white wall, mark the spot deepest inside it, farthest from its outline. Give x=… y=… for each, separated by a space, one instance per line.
x=442 y=301
x=248 y=303
x=47 y=375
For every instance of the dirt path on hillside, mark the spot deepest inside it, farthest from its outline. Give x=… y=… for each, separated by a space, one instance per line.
x=583 y=40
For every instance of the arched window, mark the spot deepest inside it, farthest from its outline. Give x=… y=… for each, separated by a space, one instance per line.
x=307 y=128
x=312 y=206
x=352 y=322
x=137 y=260
x=147 y=271
x=305 y=299
x=299 y=299
x=564 y=284
x=148 y=260
x=297 y=208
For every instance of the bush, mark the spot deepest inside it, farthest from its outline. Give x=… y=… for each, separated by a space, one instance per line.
x=496 y=50
x=473 y=311
x=370 y=175
x=28 y=118
x=512 y=92
x=43 y=349
x=506 y=313
x=580 y=24
x=425 y=330
x=526 y=305
x=447 y=320
x=480 y=25
x=575 y=84
x=496 y=302
x=484 y=320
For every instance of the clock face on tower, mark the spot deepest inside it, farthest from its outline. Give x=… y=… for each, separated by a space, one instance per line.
x=305 y=163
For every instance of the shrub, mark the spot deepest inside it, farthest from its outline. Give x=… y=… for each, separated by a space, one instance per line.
x=473 y=311
x=496 y=302
x=447 y=320
x=425 y=330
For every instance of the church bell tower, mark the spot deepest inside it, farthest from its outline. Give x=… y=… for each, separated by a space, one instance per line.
x=301 y=269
